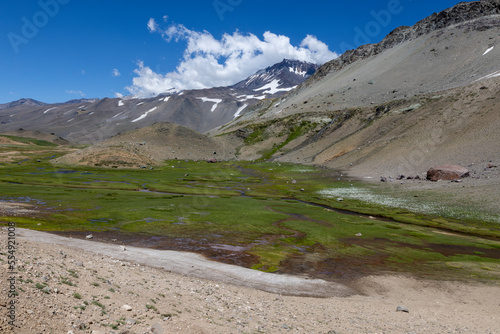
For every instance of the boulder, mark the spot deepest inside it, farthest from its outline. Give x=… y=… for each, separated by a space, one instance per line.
x=447 y=172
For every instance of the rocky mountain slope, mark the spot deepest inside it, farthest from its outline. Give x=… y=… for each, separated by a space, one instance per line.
x=455 y=56
x=461 y=13
x=412 y=73
x=89 y=121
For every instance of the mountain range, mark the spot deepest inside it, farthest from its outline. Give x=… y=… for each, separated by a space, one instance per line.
x=92 y=120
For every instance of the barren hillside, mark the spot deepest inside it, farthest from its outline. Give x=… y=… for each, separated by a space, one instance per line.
x=152 y=145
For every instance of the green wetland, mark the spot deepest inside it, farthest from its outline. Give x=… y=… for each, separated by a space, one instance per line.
x=267 y=216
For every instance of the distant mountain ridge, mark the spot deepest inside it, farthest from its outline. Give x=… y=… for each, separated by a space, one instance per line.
x=78 y=101
x=21 y=102
x=91 y=120
x=32 y=102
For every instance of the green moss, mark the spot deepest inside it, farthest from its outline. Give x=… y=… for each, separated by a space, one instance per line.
x=295 y=133
x=276 y=220
x=256 y=135
x=270 y=257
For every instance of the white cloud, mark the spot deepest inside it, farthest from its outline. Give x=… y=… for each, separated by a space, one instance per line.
x=116 y=73
x=211 y=62
x=152 y=25
x=119 y=95
x=77 y=92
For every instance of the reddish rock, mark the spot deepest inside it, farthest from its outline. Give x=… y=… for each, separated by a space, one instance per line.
x=447 y=172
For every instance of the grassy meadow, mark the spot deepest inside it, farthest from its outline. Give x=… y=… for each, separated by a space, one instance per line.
x=287 y=218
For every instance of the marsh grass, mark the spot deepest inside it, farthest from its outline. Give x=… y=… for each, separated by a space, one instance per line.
x=371 y=200
x=204 y=201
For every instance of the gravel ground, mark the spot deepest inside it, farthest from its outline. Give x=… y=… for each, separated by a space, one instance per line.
x=64 y=289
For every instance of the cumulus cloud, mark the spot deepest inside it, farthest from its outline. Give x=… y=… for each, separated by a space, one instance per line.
x=210 y=62
x=116 y=73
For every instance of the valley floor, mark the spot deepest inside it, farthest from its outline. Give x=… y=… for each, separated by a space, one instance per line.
x=63 y=289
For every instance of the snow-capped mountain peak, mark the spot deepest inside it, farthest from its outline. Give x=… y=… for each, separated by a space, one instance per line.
x=283 y=76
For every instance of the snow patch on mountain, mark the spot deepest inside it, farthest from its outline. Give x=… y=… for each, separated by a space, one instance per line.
x=243 y=98
x=240 y=110
x=46 y=111
x=144 y=115
x=489 y=76
x=297 y=71
x=120 y=103
x=216 y=101
x=273 y=88
x=488 y=51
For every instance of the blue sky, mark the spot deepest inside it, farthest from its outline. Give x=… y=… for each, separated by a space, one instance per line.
x=57 y=50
